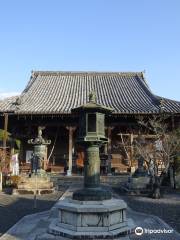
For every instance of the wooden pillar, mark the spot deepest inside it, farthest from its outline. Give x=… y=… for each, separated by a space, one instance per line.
x=5 y=139
x=71 y=131
x=109 y=131
x=131 y=149
x=21 y=151
x=172 y=121
x=0 y=181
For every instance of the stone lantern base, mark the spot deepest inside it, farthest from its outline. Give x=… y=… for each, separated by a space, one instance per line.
x=91 y=219
x=39 y=184
x=92 y=194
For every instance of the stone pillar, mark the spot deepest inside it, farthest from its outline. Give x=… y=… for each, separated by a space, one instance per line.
x=92 y=167
x=71 y=131
x=92 y=190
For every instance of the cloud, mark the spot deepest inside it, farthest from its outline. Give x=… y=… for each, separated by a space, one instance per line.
x=8 y=94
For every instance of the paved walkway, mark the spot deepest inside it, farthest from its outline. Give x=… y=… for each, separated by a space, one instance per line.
x=14 y=207
x=146 y=216
x=166 y=208
x=31 y=226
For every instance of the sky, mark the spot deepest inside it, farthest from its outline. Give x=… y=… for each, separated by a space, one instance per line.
x=90 y=35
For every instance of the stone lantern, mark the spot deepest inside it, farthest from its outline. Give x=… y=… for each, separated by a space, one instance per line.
x=92 y=136
x=39 y=182
x=39 y=151
x=91 y=213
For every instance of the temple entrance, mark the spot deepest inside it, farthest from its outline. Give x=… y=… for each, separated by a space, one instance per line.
x=65 y=156
x=58 y=150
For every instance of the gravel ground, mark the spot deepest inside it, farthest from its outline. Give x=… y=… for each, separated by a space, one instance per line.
x=167 y=208
x=14 y=207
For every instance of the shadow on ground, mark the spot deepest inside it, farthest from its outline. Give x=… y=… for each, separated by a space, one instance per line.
x=14 y=207
x=167 y=208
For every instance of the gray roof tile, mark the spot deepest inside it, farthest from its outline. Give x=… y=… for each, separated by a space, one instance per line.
x=59 y=92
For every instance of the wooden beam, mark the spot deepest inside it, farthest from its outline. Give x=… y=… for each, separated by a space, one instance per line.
x=149 y=136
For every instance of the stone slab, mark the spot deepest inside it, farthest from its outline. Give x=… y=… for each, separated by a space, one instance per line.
x=88 y=235
x=48 y=236
x=33 y=227
x=84 y=219
x=91 y=229
x=101 y=206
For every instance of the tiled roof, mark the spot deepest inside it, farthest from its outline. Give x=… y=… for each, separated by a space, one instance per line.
x=8 y=104
x=59 y=92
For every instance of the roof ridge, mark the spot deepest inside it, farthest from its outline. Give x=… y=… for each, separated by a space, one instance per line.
x=147 y=89
x=30 y=82
x=35 y=73
x=9 y=98
x=167 y=99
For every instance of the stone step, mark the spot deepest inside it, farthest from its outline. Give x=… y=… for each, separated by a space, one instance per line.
x=68 y=180
x=34 y=186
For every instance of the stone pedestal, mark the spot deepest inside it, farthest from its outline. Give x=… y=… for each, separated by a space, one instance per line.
x=40 y=184
x=91 y=219
x=138 y=183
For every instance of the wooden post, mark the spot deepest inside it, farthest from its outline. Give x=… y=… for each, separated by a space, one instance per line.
x=5 y=138
x=0 y=181
x=131 y=149
x=172 y=121
x=71 y=130
x=109 y=149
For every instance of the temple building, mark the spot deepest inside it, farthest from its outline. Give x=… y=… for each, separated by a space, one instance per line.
x=48 y=99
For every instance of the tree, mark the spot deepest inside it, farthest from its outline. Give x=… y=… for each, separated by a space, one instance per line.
x=158 y=153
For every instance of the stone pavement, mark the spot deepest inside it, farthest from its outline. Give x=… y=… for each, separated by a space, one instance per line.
x=36 y=224
x=14 y=207
x=167 y=208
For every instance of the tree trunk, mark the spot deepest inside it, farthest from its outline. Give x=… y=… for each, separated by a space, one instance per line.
x=156 y=191
x=171 y=176
x=157 y=181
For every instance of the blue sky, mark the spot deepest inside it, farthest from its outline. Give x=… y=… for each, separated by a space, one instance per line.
x=97 y=35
